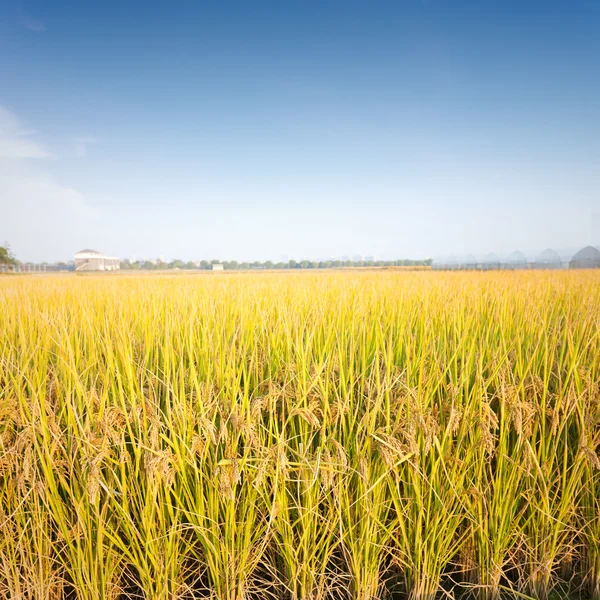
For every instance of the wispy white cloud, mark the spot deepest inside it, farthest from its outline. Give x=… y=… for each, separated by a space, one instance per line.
x=30 y=22
x=35 y=25
x=42 y=218
x=34 y=189
x=80 y=145
x=16 y=141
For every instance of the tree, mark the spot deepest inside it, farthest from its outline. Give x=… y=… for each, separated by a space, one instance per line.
x=6 y=256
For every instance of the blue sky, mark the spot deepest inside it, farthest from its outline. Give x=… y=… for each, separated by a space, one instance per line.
x=258 y=130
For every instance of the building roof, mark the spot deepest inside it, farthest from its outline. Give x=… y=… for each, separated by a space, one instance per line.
x=588 y=252
x=89 y=254
x=88 y=251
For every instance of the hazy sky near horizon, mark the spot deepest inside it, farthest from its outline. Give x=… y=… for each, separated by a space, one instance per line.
x=301 y=128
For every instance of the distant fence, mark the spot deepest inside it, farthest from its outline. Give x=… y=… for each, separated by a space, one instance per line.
x=33 y=268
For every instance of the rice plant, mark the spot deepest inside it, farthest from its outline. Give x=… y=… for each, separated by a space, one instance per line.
x=300 y=436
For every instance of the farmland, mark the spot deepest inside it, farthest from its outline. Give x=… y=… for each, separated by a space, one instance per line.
x=300 y=436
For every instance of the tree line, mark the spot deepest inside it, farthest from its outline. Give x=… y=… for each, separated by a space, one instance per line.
x=207 y=265
x=7 y=258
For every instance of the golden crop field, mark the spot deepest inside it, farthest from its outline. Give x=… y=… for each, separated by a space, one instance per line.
x=300 y=436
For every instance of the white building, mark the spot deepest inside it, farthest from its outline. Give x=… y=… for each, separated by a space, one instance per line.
x=92 y=260
x=217 y=266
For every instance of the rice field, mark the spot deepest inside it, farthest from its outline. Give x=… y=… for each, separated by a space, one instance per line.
x=300 y=436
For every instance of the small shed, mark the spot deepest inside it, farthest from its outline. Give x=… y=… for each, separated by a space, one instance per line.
x=217 y=266
x=516 y=260
x=490 y=262
x=586 y=258
x=469 y=263
x=548 y=259
x=92 y=260
x=451 y=263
